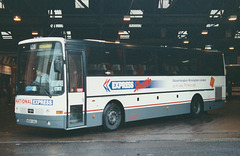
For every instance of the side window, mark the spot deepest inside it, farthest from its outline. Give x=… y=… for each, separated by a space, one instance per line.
x=75 y=72
x=104 y=61
x=177 y=63
x=188 y=64
x=167 y=64
x=213 y=64
x=140 y=62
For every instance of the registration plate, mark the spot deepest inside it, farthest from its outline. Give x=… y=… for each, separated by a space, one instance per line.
x=32 y=121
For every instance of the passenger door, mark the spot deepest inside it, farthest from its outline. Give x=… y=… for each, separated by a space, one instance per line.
x=76 y=90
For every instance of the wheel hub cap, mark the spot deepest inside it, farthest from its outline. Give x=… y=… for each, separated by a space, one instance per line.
x=112 y=117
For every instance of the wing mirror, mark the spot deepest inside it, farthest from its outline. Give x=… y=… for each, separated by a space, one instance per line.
x=57 y=65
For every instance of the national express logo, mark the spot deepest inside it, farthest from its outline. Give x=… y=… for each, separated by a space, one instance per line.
x=124 y=85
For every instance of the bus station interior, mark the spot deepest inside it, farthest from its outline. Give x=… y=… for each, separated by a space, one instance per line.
x=202 y=25
x=212 y=25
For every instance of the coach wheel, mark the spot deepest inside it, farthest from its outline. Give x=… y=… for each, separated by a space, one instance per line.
x=196 y=107
x=112 y=117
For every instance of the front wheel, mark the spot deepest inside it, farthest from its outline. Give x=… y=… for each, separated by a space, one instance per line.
x=112 y=117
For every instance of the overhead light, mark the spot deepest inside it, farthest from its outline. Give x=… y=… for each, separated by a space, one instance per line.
x=127 y=18
x=185 y=41
x=204 y=32
x=120 y=32
x=135 y=25
x=232 y=18
x=117 y=41
x=123 y=32
x=17 y=18
x=35 y=33
x=124 y=37
x=231 y=48
x=136 y=13
x=163 y=46
x=6 y=35
x=208 y=47
x=95 y=40
x=185 y=61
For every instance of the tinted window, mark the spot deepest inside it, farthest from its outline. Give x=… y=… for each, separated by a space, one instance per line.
x=75 y=72
x=177 y=63
x=104 y=61
x=189 y=63
x=212 y=64
x=140 y=62
x=167 y=64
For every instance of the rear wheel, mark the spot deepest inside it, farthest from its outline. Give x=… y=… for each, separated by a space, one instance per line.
x=196 y=107
x=112 y=117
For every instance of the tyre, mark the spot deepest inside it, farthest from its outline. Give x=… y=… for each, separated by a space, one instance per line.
x=196 y=107
x=112 y=117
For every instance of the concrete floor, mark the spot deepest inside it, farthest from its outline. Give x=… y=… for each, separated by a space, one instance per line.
x=216 y=126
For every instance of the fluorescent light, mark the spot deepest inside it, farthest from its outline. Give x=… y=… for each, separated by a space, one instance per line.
x=204 y=32
x=17 y=18
x=126 y=18
x=6 y=35
x=124 y=37
x=208 y=47
x=163 y=46
x=231 y=48
x=35 y=33
x=135 y=25
x=136 y=13
x=185 y=61
x=120 y=32
x=185 y=41
x=95 y=40
x=232 y=18
x=123 y=32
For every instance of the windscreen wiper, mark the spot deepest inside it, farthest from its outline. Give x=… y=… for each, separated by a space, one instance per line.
x=45 y=91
